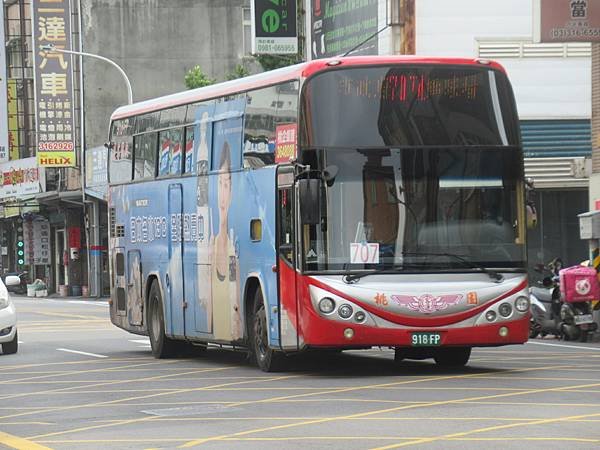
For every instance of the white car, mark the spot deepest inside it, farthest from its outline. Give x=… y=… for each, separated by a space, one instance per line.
x=8 y=318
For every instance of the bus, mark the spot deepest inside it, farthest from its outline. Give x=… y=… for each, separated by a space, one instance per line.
x=342 y=203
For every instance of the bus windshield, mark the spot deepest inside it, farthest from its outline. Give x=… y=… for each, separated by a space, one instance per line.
x=409 y=206
x=428 y=170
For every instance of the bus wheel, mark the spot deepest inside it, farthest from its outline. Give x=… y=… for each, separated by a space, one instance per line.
x=162 y=346
x=453 y=356
x=267 y=359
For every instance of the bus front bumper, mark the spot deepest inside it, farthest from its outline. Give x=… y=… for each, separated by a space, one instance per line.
x=319 y=332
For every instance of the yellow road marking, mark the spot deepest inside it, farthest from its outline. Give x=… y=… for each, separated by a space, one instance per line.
x=486 y=429
x=111 y=383
x=370 y=413
x=65 y=314
x=396 y=383
x=302 y=438
x=126 y=421
x=19 y=443
x=74 y=372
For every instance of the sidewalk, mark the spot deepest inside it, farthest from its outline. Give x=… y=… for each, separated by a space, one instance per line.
x=58 y=297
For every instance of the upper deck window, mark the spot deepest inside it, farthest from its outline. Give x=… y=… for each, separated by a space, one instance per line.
x=407 y=106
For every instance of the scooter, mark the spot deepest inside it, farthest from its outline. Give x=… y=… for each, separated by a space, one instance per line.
x=19 y=288
x=579 y=285
x=546 y=302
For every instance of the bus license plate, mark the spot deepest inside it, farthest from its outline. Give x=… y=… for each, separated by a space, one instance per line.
x=583 y=318
x=421 y=339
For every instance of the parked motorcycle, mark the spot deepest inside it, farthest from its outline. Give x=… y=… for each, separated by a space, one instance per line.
x=20 y=288
x=578 y=286
x=546 y=302
x=561 y=306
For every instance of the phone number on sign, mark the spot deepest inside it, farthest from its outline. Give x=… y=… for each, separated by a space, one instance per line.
x=57 y=146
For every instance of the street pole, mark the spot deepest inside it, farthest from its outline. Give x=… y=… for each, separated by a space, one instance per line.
x=94 y=221
x=52 y=48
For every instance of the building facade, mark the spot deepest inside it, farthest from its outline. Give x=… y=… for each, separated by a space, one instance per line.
x=552 y=84
x=155 y=42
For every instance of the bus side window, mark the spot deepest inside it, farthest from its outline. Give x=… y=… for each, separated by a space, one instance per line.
x=121 y=158
x=176 y=151
x=189 y=164
x=164 y=153
x=144 y=153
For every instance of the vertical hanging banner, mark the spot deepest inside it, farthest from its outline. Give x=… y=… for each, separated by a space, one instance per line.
x=13 y=121
x=3 y=93
x=274 y=27
x=53 y=78
x=339 y=26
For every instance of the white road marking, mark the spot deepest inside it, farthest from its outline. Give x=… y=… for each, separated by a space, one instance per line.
x=563 y=345
x=95 y=355
x=88 y=302
x=143 y=343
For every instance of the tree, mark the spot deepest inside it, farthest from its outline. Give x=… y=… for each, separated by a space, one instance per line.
x=239 y=72
x=195 y=78
x=270 y=62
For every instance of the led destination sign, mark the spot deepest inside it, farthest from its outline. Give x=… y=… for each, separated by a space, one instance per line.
x=409 y=86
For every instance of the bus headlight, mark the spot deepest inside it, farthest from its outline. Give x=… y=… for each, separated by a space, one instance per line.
x=345 y=311
x=490 y=316
x=360 y=316
x=326 y=305
x=505 y=310
x=522 y=304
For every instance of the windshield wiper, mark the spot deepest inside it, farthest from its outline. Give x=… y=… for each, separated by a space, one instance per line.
x=497 y=277
x=350 y=278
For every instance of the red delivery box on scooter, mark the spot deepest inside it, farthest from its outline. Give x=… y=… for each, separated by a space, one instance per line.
x=579 y=284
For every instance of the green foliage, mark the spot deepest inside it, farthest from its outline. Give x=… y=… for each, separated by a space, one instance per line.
x=195 y=78
x=239 y=72
x=270 y=62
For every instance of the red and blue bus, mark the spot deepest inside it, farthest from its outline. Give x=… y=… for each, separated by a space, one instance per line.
x=337 y=204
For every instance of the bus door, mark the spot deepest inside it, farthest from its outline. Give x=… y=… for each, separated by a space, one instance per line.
x=286 y=260
x=175 y=281
x=134 y=288
x=118 y=295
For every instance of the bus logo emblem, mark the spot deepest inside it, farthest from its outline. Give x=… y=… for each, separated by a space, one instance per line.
x=427 y=303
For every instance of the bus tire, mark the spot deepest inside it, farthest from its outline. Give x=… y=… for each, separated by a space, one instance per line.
x=453 y=356
x=267 y=359
x=11 y=347
x=162 y=346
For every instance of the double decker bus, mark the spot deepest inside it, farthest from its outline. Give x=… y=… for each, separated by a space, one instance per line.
x=337 y=204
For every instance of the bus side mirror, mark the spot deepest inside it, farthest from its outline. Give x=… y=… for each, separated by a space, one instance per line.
x=531 y=216
x=308 y=193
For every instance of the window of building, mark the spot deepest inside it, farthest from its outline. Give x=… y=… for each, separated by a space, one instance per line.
x=247 y=30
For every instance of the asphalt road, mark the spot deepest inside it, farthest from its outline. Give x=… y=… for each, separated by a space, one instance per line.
x=77 y=382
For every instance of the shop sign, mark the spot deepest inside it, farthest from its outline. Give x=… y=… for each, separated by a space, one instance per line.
x=13 y=120
x=53 y=79
x=339 y=26
x=566 y=20
x=274 y=27
x=96 y=172
x=285 y=142
x=21 y=177
x=3 y=92
x=37 y=241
